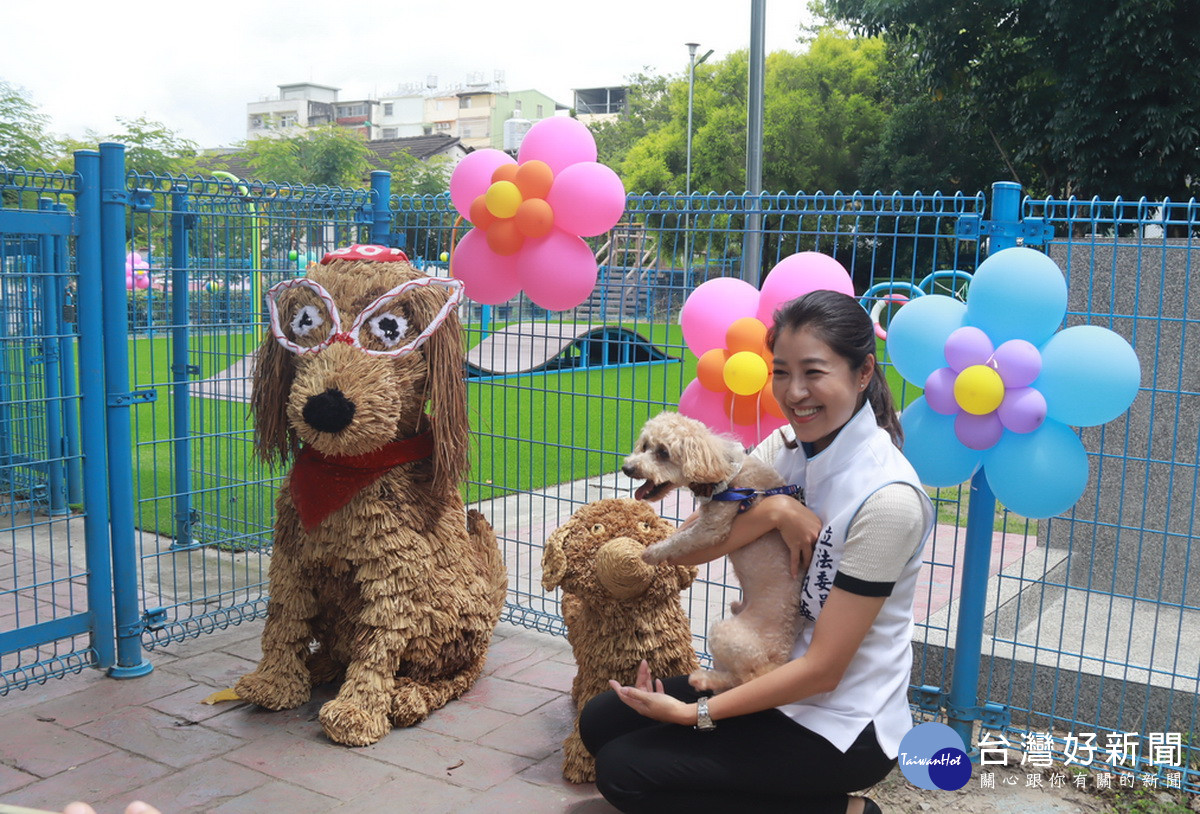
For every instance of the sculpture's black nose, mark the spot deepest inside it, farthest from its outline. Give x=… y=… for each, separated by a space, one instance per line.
x=329 y=411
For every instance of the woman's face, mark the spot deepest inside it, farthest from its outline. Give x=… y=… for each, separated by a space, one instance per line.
x=816 y=387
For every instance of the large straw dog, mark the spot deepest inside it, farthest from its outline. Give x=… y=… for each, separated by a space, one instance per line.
x=379 y=578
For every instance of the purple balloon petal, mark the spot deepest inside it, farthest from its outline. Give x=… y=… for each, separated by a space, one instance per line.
x=1018 y=362
x=939 y=391
x=978 y=432
x=1023 y=409
x=967 y=346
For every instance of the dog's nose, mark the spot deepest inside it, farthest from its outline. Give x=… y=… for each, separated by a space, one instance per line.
x=629 y=471
x=329 y=411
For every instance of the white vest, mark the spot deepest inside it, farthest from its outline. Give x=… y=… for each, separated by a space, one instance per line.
x=837 y=481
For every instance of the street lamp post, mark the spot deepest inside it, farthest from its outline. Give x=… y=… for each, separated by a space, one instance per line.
x=692 y=63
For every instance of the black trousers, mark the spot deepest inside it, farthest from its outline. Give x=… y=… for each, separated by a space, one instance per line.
x=764 y=762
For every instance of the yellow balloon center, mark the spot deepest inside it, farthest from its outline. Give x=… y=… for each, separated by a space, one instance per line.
x=502 y=199
x=979 y=389
x=745 y=373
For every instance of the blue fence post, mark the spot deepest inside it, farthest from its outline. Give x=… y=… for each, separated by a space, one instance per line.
x=91 y=409
x=113 y=199
x=962 y=703
x=181 y=371
x=70 y=374
x=381 y=208
x=51 y=315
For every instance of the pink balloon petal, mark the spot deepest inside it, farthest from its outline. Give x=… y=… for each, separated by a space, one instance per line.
x=967 y=346
x=1018 y=362
x=487 y=277
x=558 y=271
x=560 y=141
x=710 y=310
x=939 y=391
x=798 y=274
x=978 y=432
x=588 y=199
x=1023 y=409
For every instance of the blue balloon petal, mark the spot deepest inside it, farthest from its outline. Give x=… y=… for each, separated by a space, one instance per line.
x=1038 y=474
x=1017 y=293
x=917 y=335
x=1090 y=375
x=932 y=448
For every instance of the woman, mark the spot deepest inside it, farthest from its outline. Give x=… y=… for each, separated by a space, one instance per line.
x=830 y=720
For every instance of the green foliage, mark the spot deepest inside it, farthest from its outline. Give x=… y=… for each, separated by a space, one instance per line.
x=647 y=110
x=1093 y=98
x=150 y=148
x=22 y=130
x=328 y=155
x=412 y=176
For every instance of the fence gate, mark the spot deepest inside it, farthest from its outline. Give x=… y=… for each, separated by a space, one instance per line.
x=55 y=590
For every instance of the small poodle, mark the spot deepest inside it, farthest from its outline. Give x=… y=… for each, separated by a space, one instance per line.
x=618 y=609
x=675 y=451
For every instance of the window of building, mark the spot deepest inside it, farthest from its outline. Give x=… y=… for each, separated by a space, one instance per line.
x=517 y=106
x=442 y=127
x=389 y=132
x=464 y=101
x=345 y=111
x=287 y=119
x=540 y=114
x=387 y=108
x=256 y=122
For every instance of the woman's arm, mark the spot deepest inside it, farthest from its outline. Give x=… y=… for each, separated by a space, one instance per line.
x=795 y=521
x=840 y=630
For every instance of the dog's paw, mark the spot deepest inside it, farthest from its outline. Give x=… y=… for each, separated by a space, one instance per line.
x=656 y=553
x=710 y=680
x=410 y=704
x=273 y=690
x=348 y=723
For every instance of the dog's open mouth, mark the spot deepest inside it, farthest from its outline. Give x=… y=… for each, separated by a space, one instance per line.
x=651 y=491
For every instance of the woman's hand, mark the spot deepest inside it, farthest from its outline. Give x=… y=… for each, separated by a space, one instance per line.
x=646 y=697
x=799 y=527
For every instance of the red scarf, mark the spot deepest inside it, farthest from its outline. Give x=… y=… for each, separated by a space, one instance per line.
x=322 y=484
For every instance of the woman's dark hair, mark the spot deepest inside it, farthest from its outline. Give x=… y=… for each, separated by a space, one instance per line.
x=842 y=324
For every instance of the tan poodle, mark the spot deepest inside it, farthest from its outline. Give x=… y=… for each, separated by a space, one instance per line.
x=673 y=451
x=618 y=609
x=378 y=577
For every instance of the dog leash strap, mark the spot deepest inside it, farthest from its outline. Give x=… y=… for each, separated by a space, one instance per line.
x=747 y=496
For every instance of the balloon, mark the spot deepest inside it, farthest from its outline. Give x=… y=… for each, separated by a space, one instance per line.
x=747 y=334
x=504 y=238
x=588 y=199
x=141 y=281
x=444 y=256
x=473 y=175
x=558 y=271
x=939 y=391
x=1023 y=409
x=745 y=410
x=1039 y=474
x=534 y=217
x=967 y=346
x=745 y=373
x=559 y=141
x=796 y=275
x=978 y=389
x=479 y=214
x=293 y=255
x=487 y=277
x=1090 y=375
x=932 y=448
x=502 y=199
x=705 y=406
x=129 y=284
x=1018 y=363
x=917 y=334
x=977 y=432
x=534 y=179
x=1017 y=293
x=769 y=404
x=710 y=310
x=710 y=369
x=505 y=172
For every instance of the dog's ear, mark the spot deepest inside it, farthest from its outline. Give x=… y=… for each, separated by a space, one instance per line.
x=686 y=575
x=274 y=370
x=446 y=391
x=706 y=460
x=554 y=559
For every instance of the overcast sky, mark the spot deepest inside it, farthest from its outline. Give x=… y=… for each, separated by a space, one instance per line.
x=195 y=65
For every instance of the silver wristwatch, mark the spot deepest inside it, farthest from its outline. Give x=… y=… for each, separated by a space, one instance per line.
x=704 y=723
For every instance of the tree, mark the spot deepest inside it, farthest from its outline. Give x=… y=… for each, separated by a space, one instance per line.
x=23 y=139
x=646 y=110
x=328 y=156
x=1097 y=98
x=151 y=148
x=412 y=176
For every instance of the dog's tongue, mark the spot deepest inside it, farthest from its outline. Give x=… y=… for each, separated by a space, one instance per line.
x=643 y=490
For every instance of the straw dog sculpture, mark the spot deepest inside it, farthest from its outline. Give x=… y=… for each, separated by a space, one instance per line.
x=379 y=578
x=618 y=609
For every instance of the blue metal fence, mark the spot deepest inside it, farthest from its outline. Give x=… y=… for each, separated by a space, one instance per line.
x=1028 y=632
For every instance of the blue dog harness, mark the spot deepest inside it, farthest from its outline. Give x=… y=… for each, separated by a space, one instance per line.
x=748 y=496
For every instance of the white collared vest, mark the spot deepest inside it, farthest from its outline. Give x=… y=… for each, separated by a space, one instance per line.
x=837 y=481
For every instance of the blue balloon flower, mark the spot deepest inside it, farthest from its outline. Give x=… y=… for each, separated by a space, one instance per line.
x=1003 y=389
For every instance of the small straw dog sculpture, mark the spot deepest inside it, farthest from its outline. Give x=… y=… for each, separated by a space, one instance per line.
x=618 y=609
x=673 y=451
x=379 y=578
